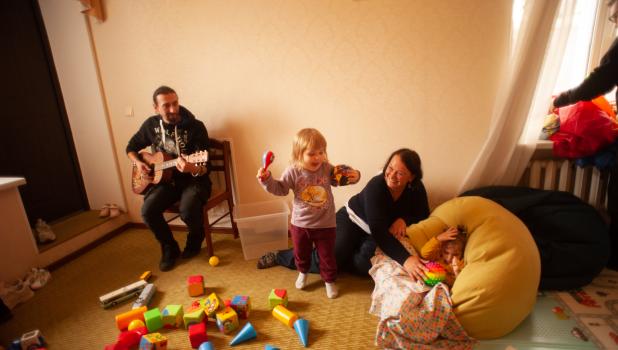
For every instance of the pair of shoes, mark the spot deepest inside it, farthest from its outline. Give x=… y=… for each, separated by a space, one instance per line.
x=15 y=293
x=109 y=210
x=331 y=290
x=267 y=260
x=37 y=278
x=301 y=281
x=170 y=252
x=44 y=231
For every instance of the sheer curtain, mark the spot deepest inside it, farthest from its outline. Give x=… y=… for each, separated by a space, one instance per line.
x=525 y=93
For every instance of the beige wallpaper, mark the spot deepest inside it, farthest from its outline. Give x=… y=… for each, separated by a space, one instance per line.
x=372 y=75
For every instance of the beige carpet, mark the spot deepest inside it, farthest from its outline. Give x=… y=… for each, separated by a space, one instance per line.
x=68 y=314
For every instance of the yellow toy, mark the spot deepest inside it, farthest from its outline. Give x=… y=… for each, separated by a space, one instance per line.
x=136 y=324
x=227 y=320
x=284 y=315
x=213 y=261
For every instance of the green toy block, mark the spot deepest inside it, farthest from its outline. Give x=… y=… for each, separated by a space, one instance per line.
x=195 y=315
x=153 y=319
x=172 y=316
x=277 y=296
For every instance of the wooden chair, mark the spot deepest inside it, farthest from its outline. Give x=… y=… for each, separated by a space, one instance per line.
x=220 y=157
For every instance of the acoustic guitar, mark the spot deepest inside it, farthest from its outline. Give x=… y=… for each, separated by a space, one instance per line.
x=161 y=169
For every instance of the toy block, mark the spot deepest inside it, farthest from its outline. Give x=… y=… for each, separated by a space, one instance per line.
x=145 y=276
x=277 y=297
x=206 y=346
x=246 y=333
x=211 y=305
x=193 y=316
x=145 y=296
x=129 y=339
x=195 y=285
x=153 y=341
x=197 y=334
x=227 y=320
x=270 y=347
x=153 y=320
x=123 y=320
x=172 y=316
x=301 y=326
x=284 y=315
x=242 y=305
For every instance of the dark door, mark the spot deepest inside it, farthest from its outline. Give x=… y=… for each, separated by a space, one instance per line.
x=36 y=138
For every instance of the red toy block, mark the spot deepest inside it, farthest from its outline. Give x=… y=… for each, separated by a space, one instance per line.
x=195 y=285
x=197 y=334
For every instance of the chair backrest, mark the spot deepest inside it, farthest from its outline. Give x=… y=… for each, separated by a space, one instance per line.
x=220 y=159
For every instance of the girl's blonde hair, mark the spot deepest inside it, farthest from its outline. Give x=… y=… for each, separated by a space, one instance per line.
x=307 y=138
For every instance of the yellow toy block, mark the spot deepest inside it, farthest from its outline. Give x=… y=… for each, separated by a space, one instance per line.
x=211 y=305
x=227 y=320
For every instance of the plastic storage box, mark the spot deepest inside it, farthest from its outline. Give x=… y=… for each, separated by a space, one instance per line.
x=263 y=227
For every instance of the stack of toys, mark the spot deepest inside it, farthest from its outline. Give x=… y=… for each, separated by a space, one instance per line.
x=142 y=327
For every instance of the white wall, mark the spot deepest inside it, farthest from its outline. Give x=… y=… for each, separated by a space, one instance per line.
x=67 y=30
x=372 y=75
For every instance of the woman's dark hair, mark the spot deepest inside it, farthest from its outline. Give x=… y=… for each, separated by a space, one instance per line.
x=162 y=90
x=412 y=161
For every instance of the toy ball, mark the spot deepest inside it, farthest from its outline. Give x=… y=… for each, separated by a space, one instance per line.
x=267 y=159
x=213 y=261
x=135 y=324
x=436 y=273
x=340 y=175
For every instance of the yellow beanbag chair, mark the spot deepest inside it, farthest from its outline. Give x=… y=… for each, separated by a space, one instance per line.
x=497 y=288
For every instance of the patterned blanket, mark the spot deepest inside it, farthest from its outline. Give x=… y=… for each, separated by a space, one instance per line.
x=413 y=315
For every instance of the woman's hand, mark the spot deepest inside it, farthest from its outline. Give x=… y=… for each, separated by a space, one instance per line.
x=415 y=268
x=447 y=235
x=263 y=174
x=398 y=228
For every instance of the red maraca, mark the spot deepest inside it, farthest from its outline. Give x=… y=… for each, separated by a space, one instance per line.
x=267 y=159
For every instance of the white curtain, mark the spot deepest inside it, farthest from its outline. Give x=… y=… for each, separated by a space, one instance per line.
x=525 y=94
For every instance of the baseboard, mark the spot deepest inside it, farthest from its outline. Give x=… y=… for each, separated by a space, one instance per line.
x=69 y=250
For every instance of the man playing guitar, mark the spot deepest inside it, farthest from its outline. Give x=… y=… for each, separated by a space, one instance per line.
x=176 y=132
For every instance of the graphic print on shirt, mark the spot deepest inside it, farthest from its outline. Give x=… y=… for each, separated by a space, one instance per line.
x=169 y=146
x=312 y=191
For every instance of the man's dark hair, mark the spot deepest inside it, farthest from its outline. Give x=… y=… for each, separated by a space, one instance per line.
x=162 y=90
x=412 y=161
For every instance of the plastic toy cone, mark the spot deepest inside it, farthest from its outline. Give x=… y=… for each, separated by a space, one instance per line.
x=247 y=332
x=270 y=347
x=301 y=326
x=206 y=346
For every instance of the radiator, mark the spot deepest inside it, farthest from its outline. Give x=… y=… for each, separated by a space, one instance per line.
x=587 y=183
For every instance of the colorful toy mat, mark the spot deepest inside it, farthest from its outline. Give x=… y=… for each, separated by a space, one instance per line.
x=585 y=318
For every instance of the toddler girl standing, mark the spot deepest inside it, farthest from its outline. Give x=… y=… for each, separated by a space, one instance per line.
x=313 y=211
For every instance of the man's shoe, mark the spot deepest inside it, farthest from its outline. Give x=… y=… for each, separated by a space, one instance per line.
x=190 y=252
x=169 y=256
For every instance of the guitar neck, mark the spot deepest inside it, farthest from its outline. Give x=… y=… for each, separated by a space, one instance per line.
x=165 y=165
